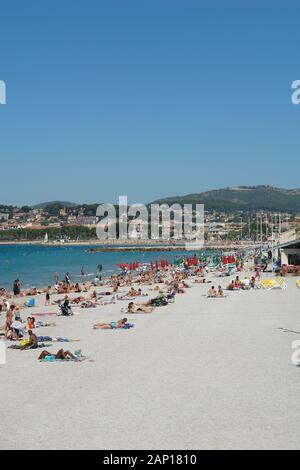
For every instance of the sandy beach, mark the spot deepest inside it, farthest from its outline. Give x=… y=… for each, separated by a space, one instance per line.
x=198 y=374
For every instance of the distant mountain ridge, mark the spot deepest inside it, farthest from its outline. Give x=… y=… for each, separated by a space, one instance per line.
x=242 y=198
x=230 y=199
x=51 y=203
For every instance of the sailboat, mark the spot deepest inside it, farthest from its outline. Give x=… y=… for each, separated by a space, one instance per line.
x=46 y=238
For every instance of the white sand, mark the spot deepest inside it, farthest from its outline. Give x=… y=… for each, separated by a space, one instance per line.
x=198 y=374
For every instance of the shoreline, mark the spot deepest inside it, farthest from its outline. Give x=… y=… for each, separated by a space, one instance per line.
x=130 y=245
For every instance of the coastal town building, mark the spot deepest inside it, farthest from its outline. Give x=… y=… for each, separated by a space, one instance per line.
x=289 y=252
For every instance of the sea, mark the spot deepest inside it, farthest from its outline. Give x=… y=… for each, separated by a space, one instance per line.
x=35 y=265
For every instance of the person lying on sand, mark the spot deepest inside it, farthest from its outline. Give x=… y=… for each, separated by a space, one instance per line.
x=32 y=291
x=201 y=281
x=61 y=354
x=89 y=304
x=111 y=326
x=130 y=294
x=133 y=308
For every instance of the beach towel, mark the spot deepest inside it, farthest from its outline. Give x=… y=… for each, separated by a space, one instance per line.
x=58 y=340
x=42 y=314
x=127 y=326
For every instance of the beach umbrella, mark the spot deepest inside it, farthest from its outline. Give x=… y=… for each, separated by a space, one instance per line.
x=156 y=264
x=131 y=266
x=122 y=265
x=151 y=265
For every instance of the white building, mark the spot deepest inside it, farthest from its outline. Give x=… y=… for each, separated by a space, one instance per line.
x=289 y=252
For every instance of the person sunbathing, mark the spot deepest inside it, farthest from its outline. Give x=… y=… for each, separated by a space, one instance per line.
x=212 y=292
x=130 y=294
x=89 y=304
x=133 y=308
x=32 y=292
x=31 y=344
x=237 y=283
x=220 y=292
x=33 y=341
x=30 y=323
x=231 y=286
x=61 y=354
x=39 y=324
x=245 y=283
x=201 y=281
x=183 y=285
x=110 y=326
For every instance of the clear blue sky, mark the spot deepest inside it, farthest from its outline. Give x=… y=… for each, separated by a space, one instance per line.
x=147 y=98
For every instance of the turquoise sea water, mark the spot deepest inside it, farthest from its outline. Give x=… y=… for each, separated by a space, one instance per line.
x=35 y=265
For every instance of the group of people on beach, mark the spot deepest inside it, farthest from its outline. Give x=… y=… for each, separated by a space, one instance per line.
x=144 y=289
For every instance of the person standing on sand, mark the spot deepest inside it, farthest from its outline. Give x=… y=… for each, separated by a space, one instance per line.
x=47 y=301
x=56 y=278
x=8 y=320
x=67 y=279
x=17 y=287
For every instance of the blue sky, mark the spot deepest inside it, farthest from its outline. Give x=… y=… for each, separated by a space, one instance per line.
x=147 y=98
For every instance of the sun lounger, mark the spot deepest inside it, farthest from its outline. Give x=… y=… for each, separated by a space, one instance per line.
x=298 y=283
x=269 y=284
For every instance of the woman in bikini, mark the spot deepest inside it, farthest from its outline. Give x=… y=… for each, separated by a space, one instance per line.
x=110 y=326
